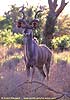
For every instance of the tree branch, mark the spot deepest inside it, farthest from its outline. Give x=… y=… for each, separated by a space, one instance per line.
x=51 y=7
x=55 y=4
x=62 y=6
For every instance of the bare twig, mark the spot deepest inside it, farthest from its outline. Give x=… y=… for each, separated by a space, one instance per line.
x=51 y=7
x=62 y=6
x=55 y=4
x=62 y=94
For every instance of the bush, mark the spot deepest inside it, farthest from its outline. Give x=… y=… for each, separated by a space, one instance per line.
x=62 y=42
x=6 y=37
x=18 y=38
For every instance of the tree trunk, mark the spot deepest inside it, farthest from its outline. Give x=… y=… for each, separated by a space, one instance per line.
x=49 y=29
x=51 y=21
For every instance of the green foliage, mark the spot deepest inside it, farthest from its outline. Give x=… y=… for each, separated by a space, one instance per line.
x=6 y=24
x=9 y=18
x=13 y=15
x=63 y=24
x=62 y=42
x=18 y=38
x=37 y=34
x=7 y=38
x=2 y=18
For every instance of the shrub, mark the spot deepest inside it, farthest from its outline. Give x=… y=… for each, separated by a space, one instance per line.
x=62 y=42
x=7 y=38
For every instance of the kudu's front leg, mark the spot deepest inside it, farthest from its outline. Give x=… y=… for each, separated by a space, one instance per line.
x=33 y=71
x=28 y=72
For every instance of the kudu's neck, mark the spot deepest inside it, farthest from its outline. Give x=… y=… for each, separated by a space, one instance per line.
x=29 y=46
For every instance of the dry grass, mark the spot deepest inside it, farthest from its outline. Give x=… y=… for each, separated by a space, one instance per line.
x=62 y=56
x=12 y=73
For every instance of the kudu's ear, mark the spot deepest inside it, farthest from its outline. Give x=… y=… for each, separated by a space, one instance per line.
x=21 y=23
x=35 y=23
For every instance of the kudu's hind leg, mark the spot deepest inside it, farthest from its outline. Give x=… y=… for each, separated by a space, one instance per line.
x=33 y=71
x=47 y=65
x=41 y=71
x=28 y=72
x=28 y=76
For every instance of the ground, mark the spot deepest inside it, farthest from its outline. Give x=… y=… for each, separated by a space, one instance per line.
x=13 y=79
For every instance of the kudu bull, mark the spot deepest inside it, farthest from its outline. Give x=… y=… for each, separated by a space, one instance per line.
x=35 y=55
